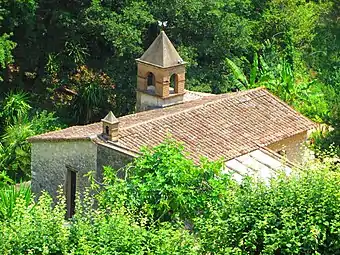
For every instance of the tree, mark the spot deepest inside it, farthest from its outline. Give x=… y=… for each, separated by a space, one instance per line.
x=19 y=124
x=167 y=186
x=13 y=16
x=325 y=59
x=166 y=204
x=6 y=47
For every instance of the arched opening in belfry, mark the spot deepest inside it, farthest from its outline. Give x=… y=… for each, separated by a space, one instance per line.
x=107 y=130
x=151 y=81
x=173 y=83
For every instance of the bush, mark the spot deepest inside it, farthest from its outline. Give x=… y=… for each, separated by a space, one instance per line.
x=167 y=186
x=115 y=231
x=168 y=205
x=35 y=229
x=298 y=214
x=325 y=144
x=10 y=195
x=17 y=123
x=41 y=228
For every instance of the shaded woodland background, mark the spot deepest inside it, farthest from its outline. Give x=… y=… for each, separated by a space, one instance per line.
x=70 y=62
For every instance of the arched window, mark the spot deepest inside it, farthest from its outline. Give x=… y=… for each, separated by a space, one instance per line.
x=151 y=79
x=107 y=130
x=173 y=84
x=151 y=83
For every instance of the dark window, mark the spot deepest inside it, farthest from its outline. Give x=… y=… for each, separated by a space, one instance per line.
x=71 y=186
x=107 y=130
x=151 y=79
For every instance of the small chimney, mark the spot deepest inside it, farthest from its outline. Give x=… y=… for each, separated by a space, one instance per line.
x=110 y=127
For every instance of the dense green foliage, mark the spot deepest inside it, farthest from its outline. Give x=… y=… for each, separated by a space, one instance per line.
x=10 y=195
x=72 y=61
x=166 y=185
x=18 y=122
x=168 y=205
x=79 y=56
x=77 y=59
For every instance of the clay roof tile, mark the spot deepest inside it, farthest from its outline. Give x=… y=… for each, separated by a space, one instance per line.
x=216 y=126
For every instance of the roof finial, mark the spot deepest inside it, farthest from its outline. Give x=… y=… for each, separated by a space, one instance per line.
x=110 y=127
x=110 y=118
x=162 y=24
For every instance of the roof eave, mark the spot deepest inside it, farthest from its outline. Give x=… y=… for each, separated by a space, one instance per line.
x=46 y=139
x=162 y=67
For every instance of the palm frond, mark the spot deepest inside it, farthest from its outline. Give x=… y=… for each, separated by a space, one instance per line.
x=254 y=70
x=237 y=72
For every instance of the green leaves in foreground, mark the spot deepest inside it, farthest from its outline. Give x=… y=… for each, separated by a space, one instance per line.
x=40 y=228
x=35 y=229
x=293 y=215
x=298 y=214
x=167 y=186
x=168 y=205
x=9 y=197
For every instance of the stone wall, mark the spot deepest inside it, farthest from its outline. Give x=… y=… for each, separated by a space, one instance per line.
x=146 y=101
x=108 y=157
x=50 y=160
x=293 y=146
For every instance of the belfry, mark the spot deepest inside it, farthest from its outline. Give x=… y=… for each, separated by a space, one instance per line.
x=160 y=76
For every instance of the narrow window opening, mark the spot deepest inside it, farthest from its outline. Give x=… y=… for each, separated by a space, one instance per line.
x=151 y=79
x=107 y=130
x=173 y=84
x=71 y=185
x=151 y=83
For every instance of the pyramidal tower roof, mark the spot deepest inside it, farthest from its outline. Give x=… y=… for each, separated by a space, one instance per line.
x=110 y=118
x=161 y=53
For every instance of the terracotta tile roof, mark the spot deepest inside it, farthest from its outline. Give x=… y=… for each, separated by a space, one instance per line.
x=72 y=133
x=227 y=125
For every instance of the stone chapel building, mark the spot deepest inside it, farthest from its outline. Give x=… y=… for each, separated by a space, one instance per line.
x=249 y=129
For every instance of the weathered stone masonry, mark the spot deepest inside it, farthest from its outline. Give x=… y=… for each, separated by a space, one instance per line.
x=50 y=162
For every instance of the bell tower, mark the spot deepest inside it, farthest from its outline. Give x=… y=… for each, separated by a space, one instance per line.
x=160 y=75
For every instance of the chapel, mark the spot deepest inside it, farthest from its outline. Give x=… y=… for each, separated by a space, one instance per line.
x=253 y=131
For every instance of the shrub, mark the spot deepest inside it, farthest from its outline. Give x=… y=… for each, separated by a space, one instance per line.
x=19 y=123
x=115 y=231
x=298 y=214
x=10 y=196
x=168 y=205
x=166 y=185
x=35 y=229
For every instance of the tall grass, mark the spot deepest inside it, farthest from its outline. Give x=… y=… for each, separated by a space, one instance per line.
x=9 y=196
